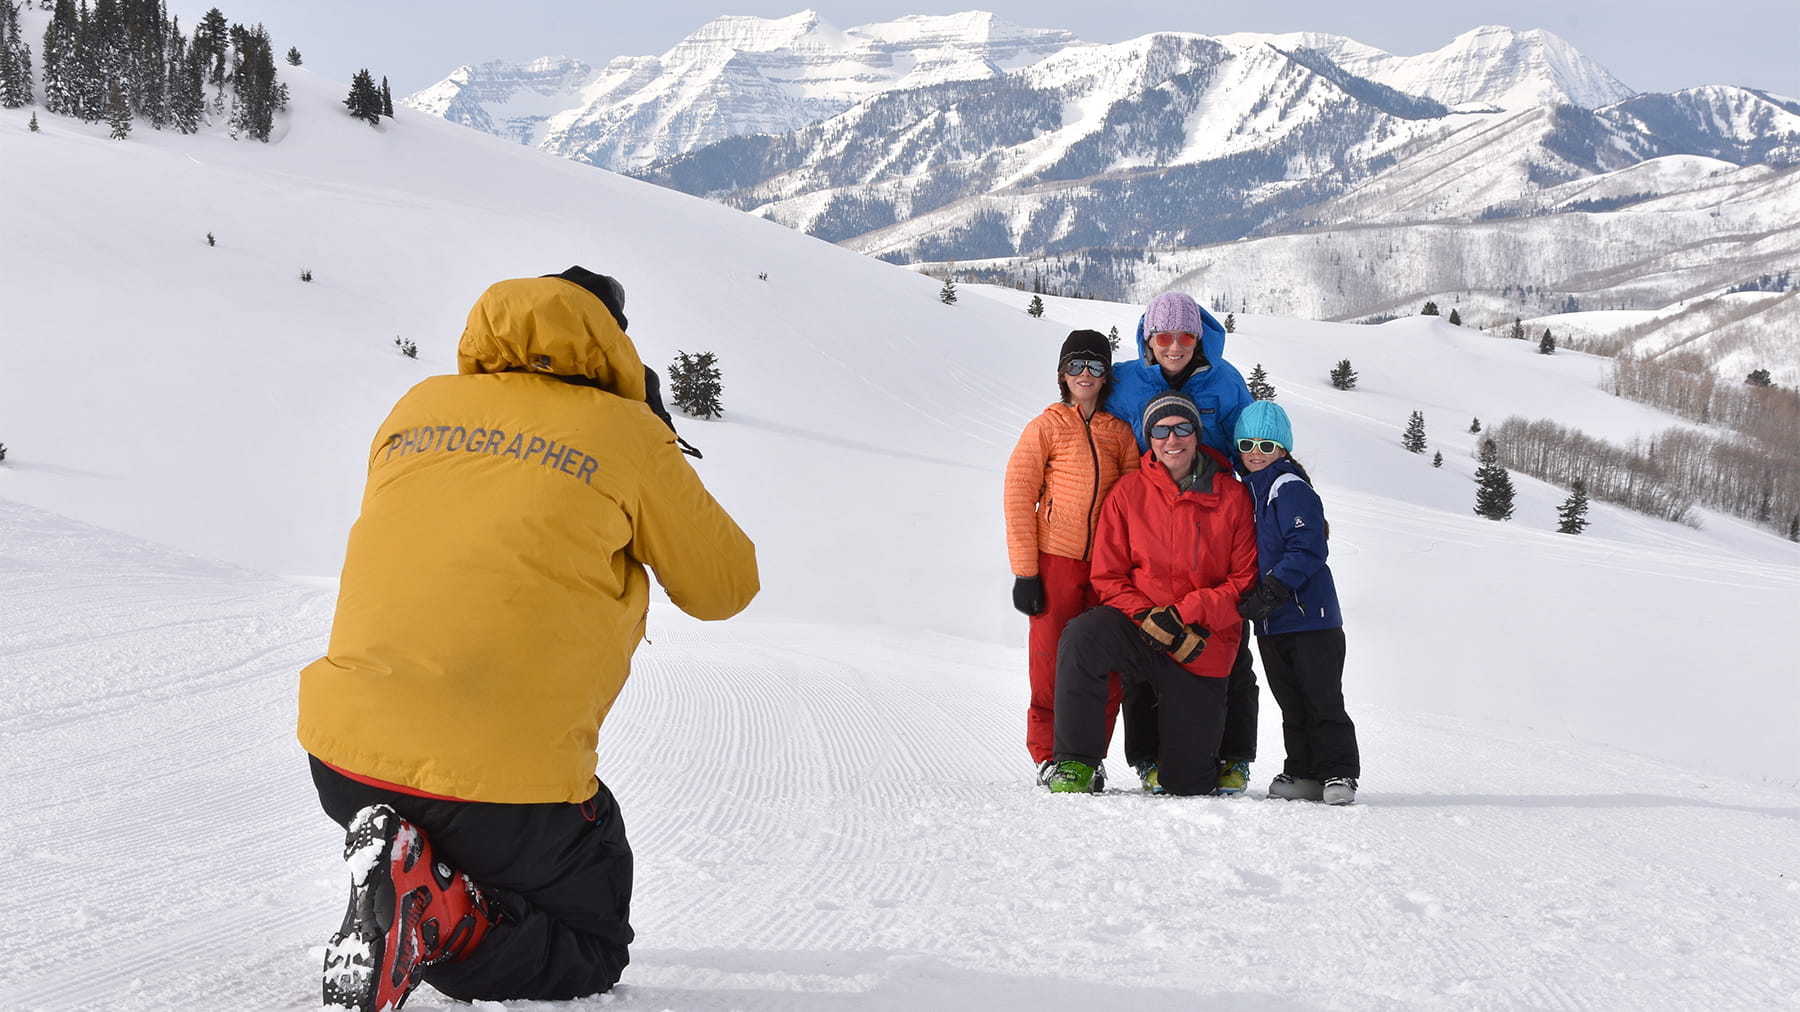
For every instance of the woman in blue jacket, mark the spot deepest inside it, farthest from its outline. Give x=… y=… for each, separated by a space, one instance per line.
x=1299 y=628
x=1181 y=347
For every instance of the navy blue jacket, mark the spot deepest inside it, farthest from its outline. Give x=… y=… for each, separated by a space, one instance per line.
x=1290 y=546
x=1219 y=391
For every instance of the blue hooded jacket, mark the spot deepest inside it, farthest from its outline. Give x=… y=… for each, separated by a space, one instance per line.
x=1218 y=391
x=1290 y=546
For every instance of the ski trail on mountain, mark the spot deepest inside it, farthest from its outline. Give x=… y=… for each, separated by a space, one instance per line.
x=830 y=817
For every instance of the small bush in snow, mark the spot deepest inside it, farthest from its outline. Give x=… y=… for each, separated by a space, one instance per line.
x=407 y=347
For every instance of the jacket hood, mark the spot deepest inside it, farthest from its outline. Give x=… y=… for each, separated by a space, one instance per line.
x=549 y=326
x=1212 y=339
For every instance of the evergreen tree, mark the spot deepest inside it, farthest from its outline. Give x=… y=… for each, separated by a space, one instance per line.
x=1342 y=376
x=118 y=112
x=407 y=346
x=259 y=94
x=1793 y=523
x=1455 y=318
x=1494 y=487
x=210 y=40
x=1437 y=459
x=1474 y=425
x=1036 y=308
x=694 y=385
x=1546 y=344
x=1759 y=378
x=1517 y=332
x=1230 y=323
x=2 y=453
x=60 y=59
x=387 y=99
x=1258 y=382
x=1112 y=338
x=187 y=82
x=1573 y=511
x=293 y=56
x=947 y=294
x=1430 y=309
x=1414 y=436
x=33 y=125
x=364 y=102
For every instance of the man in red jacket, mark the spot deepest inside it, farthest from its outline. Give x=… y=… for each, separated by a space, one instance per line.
x=1174 y=551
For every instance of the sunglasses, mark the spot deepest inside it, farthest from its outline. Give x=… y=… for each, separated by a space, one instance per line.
x=1087 y=365
x=1262 y=446
x=1165 y=431
x=1167 y=338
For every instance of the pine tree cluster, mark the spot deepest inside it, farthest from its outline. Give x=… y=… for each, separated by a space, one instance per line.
x=15 y=60
x=124 y=60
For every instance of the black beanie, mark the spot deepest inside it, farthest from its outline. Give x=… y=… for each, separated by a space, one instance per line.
x=1088 y=344
x=606 y=289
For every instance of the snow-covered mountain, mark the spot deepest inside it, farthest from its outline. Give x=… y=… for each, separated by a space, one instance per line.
x=1491 y=67
x=1565 y=738
x=736 y=75
x=1115 y=169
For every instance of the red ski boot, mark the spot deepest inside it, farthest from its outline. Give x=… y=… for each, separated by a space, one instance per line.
x=407 y=912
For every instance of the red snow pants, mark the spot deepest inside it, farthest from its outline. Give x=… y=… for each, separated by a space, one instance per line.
x=1067 y=593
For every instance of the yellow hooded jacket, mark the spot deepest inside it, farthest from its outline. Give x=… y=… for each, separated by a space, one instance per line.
x=493 y=589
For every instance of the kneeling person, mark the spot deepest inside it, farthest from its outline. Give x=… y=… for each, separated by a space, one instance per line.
x=1174 y=551
x=490 y=604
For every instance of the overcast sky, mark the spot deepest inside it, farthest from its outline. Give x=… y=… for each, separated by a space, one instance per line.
x=1651 y=45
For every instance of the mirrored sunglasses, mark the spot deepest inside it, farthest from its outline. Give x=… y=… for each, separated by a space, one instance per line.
x=1262 y=446
x=1078 y=366
x=1166 y=338
x=1165 y=431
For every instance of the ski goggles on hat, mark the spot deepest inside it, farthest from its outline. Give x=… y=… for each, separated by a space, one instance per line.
x=1262 y=446
x=1167 y=338
x=1165 y=431
x=1080 y=365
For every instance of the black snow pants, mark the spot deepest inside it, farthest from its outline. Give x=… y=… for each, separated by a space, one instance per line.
x=561 y=873
x=1236 y=744
x=1189 y=710
x=1306 y=676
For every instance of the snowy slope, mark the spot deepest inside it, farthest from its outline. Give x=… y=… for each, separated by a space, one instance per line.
x=1580 y=786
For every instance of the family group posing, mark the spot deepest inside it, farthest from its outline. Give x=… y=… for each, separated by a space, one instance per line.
x=1152 y=515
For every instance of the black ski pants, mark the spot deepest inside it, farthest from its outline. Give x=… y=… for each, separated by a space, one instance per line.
x=1242 y=699
x=561 y=873
x=1306 y=676
x=1189 y=710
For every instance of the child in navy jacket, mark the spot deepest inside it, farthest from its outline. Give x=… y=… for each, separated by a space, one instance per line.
x=1299 y=629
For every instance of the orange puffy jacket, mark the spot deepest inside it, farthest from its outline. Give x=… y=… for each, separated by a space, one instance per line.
x=1157 y=545
x=1058 y=475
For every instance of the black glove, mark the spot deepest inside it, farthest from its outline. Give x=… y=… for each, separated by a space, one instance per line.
x=1261 y=602
x=1028 y=594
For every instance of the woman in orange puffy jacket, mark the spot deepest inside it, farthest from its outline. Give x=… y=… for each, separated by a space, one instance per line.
x=1066 y=461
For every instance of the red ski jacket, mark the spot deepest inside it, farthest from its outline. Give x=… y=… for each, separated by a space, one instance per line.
x=1157 y=545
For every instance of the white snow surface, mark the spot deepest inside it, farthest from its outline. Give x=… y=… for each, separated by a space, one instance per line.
x=1579 y=787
